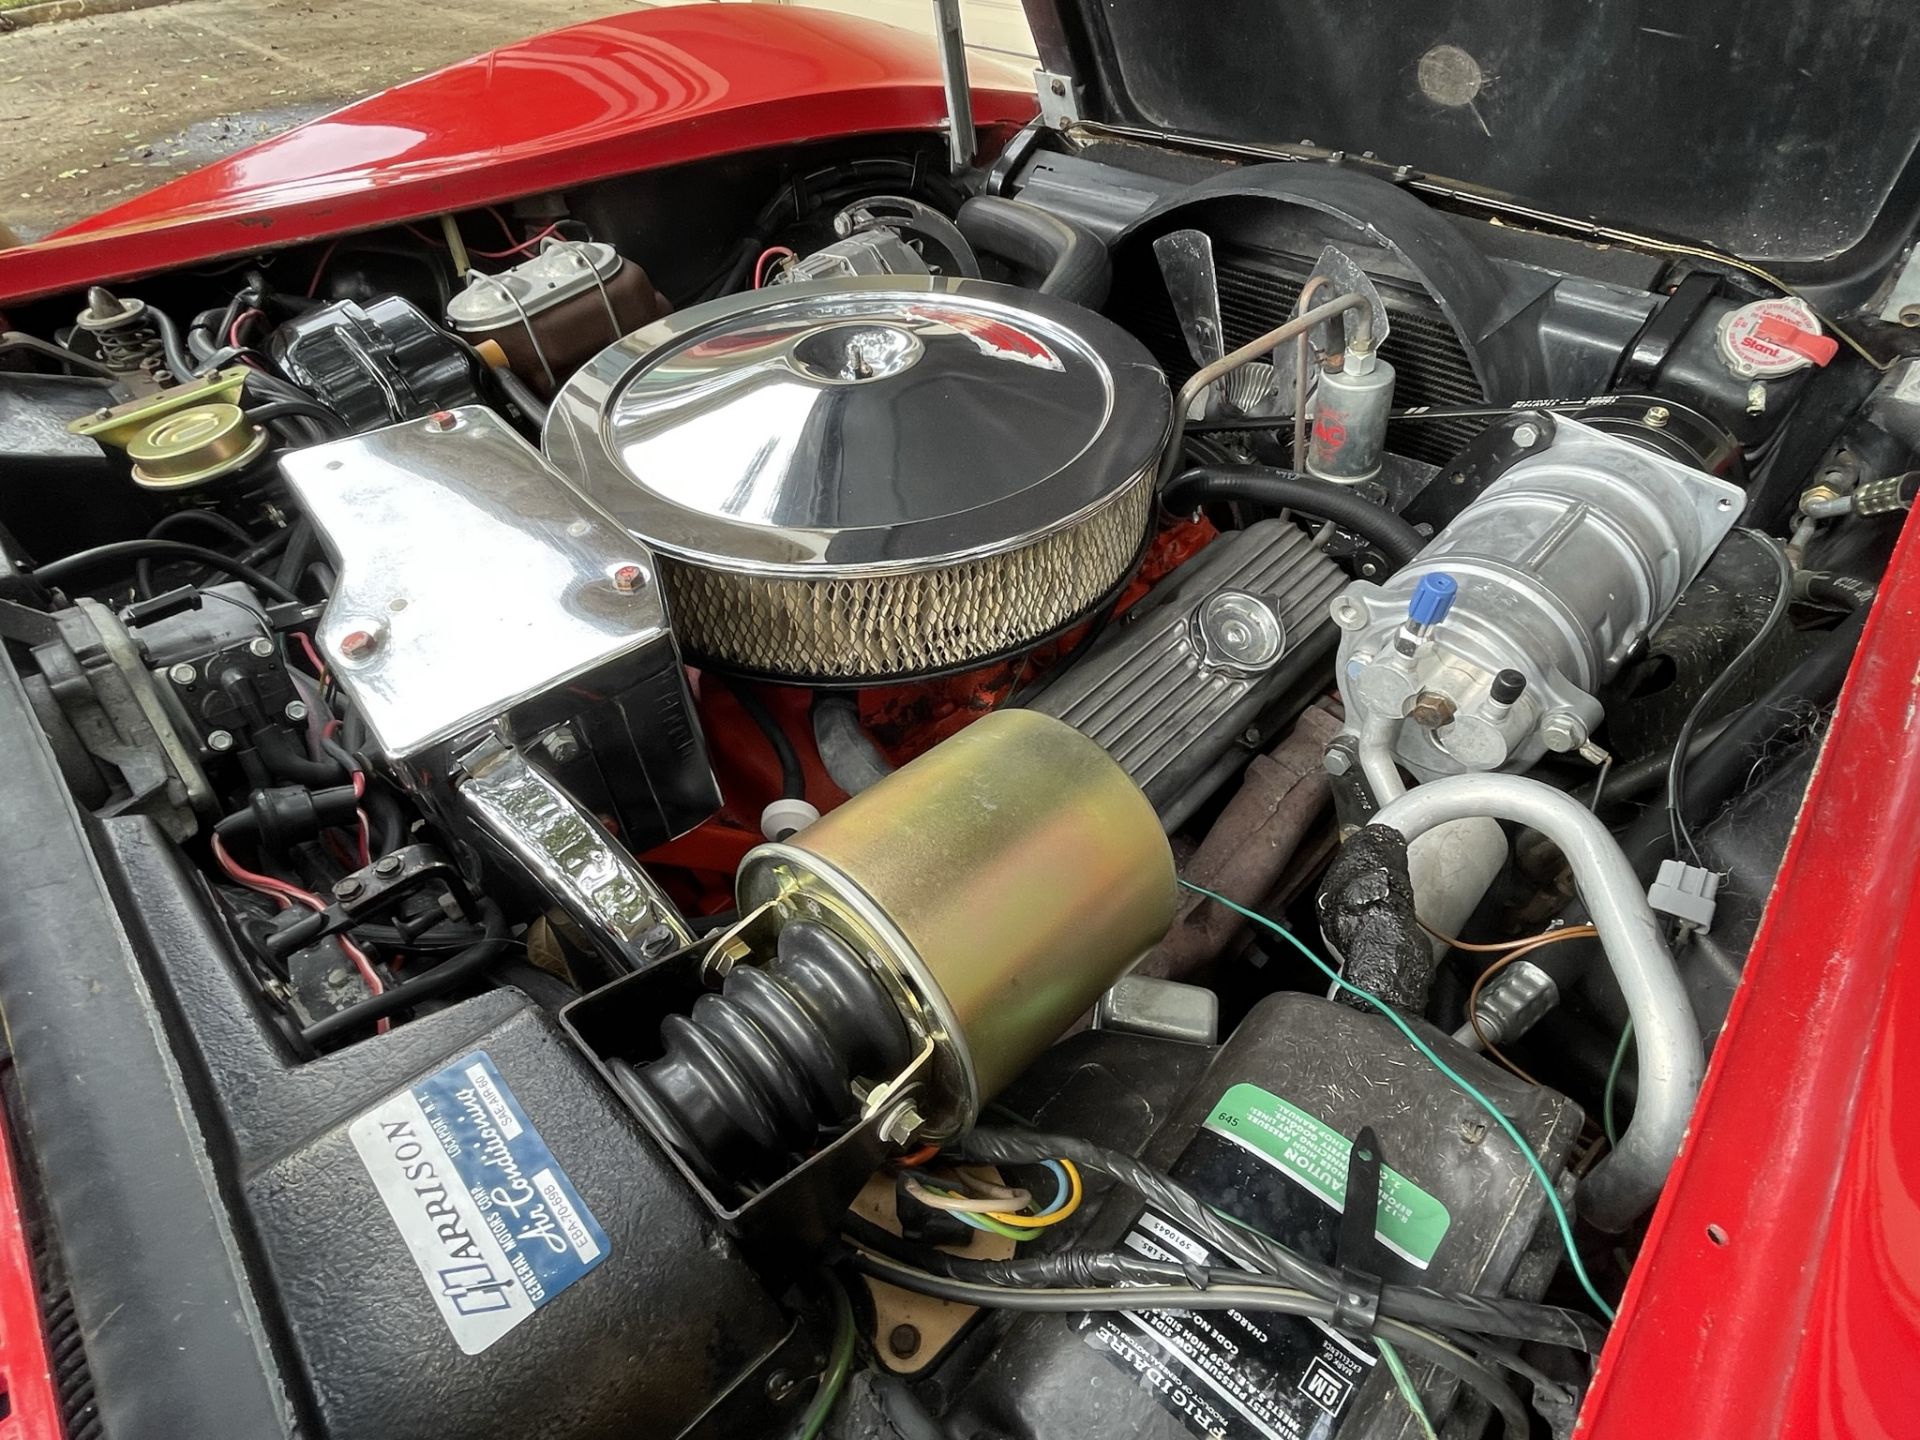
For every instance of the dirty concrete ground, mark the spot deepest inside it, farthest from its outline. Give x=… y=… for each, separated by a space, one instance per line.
x=93 y=111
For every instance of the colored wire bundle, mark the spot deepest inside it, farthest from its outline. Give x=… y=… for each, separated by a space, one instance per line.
x=996 y=1213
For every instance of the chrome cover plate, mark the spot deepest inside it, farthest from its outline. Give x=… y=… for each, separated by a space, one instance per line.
x=475 y=575
x=477 y=594
x=873 y=424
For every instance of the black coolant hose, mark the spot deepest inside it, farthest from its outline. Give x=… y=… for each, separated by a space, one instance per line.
x=1275 y=489
x=1072 y=260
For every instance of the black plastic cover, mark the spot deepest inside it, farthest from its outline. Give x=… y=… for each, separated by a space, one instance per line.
x=1777 y=129
x=231 y=1266
x=375 y=364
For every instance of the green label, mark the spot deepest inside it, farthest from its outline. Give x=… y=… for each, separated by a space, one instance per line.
x=1411 y=1221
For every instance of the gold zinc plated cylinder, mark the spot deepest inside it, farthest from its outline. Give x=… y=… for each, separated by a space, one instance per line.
x=1001 y=882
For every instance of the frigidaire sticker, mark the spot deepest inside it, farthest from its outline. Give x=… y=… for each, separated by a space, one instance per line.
x=491 y=1219
x=1233 y=1375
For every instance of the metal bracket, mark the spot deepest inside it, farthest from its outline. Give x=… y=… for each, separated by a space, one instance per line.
x=568 y=853
x=375 y=890
x=1902 y=305
x=1059 y=99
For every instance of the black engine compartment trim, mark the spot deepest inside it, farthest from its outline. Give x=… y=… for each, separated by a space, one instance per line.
x=130 y=1183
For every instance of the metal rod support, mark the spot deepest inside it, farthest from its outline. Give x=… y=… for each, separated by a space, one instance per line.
x=953 y=72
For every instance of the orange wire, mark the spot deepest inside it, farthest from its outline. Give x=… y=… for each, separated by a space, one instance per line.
x=918 y=1157
x=1514 y=952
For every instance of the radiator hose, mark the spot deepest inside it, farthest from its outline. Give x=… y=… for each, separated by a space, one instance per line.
x=1072 y=261
x=1275 y=489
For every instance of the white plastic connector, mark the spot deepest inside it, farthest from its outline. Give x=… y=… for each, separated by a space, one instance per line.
x=784 y=817
x=1685 y=892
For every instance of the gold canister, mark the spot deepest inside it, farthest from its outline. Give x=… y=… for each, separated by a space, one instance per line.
x=1002 y=881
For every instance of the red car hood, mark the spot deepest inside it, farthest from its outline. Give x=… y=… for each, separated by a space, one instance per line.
x=630 y=92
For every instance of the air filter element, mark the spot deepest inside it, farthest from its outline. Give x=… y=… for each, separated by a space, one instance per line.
x=859 y=481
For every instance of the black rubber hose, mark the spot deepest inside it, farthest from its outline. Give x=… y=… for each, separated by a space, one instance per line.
x=1072 y=261
x=1849 y=592
x=852 y=758
x=441 y=978
x=57 y=572
x=143 y=582
x=520 y=395
x=331 y=806
x=212 y=519
x=297 y=552
x=793 y=780
x=1276 y=489
x=285 y=761
x=903 y=1411
x=178 y=361
x=309 y=409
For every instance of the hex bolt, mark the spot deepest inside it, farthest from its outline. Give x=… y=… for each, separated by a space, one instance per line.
x=442 y=420
x=358 y=644
x=296 y=710
x=219 y=741
x=1657 y=417
x=183 y=674
x=901 y=1123
x=1563 y=732
x=261 y=648
x=387 y=865
x=562 y=745
x=626 y=579
x=1431 y=710
x=1526 y=435
x=1340 y=757
x=348 y=888
x=903 y=1341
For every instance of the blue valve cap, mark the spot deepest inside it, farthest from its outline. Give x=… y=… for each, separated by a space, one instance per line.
x=1433 y=595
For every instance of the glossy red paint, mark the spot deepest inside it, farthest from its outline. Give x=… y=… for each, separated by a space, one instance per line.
x=1778 y=1294
x=631 y=92
x=32 y=1410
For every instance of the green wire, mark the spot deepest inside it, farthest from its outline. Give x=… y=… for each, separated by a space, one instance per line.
x=1404 y=1381
x=838 y=1364
x=986 y=1222
x=1613 y=1079
x=998 y=1227
x=1526 y=1150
